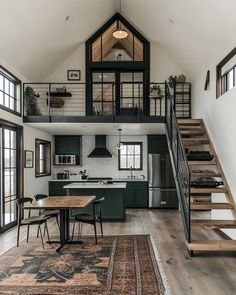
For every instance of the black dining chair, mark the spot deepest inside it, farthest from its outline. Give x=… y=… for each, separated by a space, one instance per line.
x=30 y=220
x=89 y=218
x=50 y=213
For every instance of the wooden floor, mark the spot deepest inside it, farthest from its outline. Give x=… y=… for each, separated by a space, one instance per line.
x=204 y=274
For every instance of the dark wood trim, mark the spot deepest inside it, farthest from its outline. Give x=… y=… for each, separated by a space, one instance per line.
x=218 y=71
x=48 y=157
x=141 y=156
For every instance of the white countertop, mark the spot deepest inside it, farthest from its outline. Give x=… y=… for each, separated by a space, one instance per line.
x=114 y=179
x=94 y=185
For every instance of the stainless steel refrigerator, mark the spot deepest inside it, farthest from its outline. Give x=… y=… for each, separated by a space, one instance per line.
x=162 y=189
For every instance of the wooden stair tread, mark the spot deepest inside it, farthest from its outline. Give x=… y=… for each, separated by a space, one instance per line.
x=201 y=198
x=192 y=122
x=202 y=163
x=191 y=132
x=194 y=142
x=206 y=206
x=205 y=174
x=195 y=190
x=213 y=223
x=212 y=245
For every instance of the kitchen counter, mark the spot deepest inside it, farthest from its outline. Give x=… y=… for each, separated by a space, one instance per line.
x=93 y=185
x=113 y=179
x=113 y=206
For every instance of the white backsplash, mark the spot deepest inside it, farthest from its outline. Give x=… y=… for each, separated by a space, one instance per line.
x=105 y=167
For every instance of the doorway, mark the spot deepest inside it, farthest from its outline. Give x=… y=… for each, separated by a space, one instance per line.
x=10 y=159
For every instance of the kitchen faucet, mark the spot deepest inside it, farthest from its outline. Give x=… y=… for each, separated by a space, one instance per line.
x=131 y=172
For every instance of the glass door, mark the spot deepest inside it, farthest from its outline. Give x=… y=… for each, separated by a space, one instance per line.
x=131 y=93
x=9 y=177
x=118 y=93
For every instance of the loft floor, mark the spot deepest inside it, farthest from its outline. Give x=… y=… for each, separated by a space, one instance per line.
x=201 y=275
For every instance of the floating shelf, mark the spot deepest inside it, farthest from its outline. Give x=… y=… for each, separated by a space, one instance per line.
x=59 y=94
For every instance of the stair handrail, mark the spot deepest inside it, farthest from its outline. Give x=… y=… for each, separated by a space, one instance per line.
x=179 y=161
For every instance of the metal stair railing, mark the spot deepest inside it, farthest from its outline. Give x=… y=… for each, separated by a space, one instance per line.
x=179 y=162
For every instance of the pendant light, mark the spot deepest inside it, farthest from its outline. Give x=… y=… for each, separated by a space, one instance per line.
x=120 y=143
x=119 y=32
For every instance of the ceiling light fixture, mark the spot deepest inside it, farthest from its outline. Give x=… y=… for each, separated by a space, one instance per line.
x=120 y=143
x=119 y=32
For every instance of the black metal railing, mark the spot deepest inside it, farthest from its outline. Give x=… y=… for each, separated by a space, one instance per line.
x=106 y=99
x=180 y=163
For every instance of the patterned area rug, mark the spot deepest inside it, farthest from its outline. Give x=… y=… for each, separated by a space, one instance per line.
x=117 y=265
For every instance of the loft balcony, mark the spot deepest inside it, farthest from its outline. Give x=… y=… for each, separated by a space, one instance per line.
x=127 y=102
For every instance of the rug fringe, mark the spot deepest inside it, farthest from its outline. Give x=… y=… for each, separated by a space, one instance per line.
x=161 y=269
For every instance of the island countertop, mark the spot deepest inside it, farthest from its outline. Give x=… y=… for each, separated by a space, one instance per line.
x=98 y=185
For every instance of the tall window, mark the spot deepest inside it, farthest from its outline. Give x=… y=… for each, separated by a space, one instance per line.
x=131 y=156
x=10 y=92
x=226 y=73
x=42 y=158
x=10 y=176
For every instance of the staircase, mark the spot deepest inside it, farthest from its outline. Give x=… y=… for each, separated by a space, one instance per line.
x=194 y=136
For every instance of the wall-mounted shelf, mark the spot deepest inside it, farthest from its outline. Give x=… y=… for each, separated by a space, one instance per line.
x=59 y=94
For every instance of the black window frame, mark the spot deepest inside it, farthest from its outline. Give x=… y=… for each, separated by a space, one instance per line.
x=222 y=79
x=7 y=75
x=141 y=156
x=4 y=124
x=47 y=159
x=143 y=66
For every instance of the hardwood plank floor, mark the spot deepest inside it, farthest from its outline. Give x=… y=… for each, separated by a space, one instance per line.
x=204 y=274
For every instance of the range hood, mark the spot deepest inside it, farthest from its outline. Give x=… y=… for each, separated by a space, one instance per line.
x=100 y=150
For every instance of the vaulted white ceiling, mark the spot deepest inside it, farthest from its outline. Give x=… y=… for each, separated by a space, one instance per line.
x=35 y=35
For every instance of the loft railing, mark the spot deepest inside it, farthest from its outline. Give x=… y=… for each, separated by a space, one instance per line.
x=180 y=163
x=105 y=99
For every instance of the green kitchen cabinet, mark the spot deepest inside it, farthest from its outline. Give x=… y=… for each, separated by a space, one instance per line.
x=113 y=207
x=55 y=188
x=136 y=194
x=69 y=145
x=157 y=144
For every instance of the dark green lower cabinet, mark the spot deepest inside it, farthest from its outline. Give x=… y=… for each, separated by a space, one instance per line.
x=116 y=200
x=136 y=194
x=112 y=208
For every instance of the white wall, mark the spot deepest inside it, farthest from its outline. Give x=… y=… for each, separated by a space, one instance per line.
x=220 y=118
x=106 y=167
x=32 y=185
x=162 y=65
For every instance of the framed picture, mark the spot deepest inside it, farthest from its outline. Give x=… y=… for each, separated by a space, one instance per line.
x=73 y=75
x=29 y=159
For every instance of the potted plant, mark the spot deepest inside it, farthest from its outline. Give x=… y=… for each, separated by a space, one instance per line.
x=156 y=91
x=83 y=174
x=31 y=103
x=172 y=81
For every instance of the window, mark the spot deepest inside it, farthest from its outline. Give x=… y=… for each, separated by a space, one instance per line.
x=131 y=156
x=42 y=158
x=10 y=92
x=226 y=73
x=10 y=172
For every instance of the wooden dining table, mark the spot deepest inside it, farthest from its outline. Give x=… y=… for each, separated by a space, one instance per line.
x=64 y=204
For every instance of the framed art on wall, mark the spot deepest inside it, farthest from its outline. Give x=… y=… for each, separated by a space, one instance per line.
x=29 y=159
x=73 y=75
